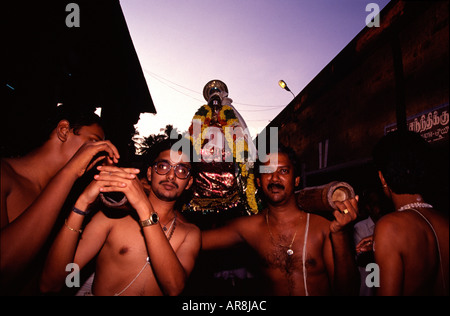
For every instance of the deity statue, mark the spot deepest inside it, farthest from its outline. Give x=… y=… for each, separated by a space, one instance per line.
x=225 y=155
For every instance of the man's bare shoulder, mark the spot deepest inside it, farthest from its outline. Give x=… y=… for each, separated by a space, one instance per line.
x=8 y=174
x=249 y=227
x=249 y=221
x=17 y=191
x=11 y=178
x=5 y=173
x=438 y=216
x=191 y=236
x=319 y=222
x=391 y=228
x=319 y=219
x=188 y=227
x=103 y=219
x=397 y=220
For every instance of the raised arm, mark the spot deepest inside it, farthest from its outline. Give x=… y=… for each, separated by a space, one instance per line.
x=345 y=274
x=171 y=267
x=223 y=237
x=23 y=238
x=67 y=247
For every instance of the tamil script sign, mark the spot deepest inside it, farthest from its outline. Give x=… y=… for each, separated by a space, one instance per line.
x=432 y=124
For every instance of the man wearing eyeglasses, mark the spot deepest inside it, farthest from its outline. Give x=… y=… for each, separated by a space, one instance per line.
x=147 y=250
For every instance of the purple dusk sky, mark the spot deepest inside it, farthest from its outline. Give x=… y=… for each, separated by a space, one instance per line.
x=248 y=44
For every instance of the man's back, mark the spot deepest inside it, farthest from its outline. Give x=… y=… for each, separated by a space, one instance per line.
x=407 y=251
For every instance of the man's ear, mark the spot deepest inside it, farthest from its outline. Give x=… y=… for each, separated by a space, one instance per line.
x=387 y=190
x=191 y=181
x=297 y=181
x=258 y=182
x=63 y=130
x=149 y=174
x=383 y=182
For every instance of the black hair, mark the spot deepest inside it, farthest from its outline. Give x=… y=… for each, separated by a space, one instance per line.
x=180 y=143
x=403 y=157
x=76 y=116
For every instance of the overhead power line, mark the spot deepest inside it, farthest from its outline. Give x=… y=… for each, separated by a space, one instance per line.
x=165 y=82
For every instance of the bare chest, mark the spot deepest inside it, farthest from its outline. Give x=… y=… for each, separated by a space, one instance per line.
x=291 y=268
x=125 y=242
x=123 y=267
x=291 y=260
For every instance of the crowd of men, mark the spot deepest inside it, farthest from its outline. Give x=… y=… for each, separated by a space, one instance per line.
x=149 y=248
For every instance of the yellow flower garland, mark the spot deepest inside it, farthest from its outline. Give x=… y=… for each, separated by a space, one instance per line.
x=250 y=192
x=205 y=119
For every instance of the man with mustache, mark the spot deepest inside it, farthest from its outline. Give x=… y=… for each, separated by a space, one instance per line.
x=146 y=250
x=300 y=253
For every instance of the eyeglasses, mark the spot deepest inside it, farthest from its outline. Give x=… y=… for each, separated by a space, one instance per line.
x=163 y=167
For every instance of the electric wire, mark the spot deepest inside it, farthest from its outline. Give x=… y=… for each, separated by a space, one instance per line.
x=162 y=80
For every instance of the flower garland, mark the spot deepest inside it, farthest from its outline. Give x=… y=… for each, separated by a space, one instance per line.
x=250 y=191
x=204 y=114
x=227 y=120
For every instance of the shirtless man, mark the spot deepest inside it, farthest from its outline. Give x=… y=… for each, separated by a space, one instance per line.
x=300 y=253
x=410 y=245
x=35 y=186
x=150 y=250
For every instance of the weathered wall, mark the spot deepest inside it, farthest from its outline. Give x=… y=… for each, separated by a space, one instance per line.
x=364 y=89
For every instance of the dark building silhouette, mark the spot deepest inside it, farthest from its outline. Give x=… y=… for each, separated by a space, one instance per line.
x=395 y=75
x=47 y=62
